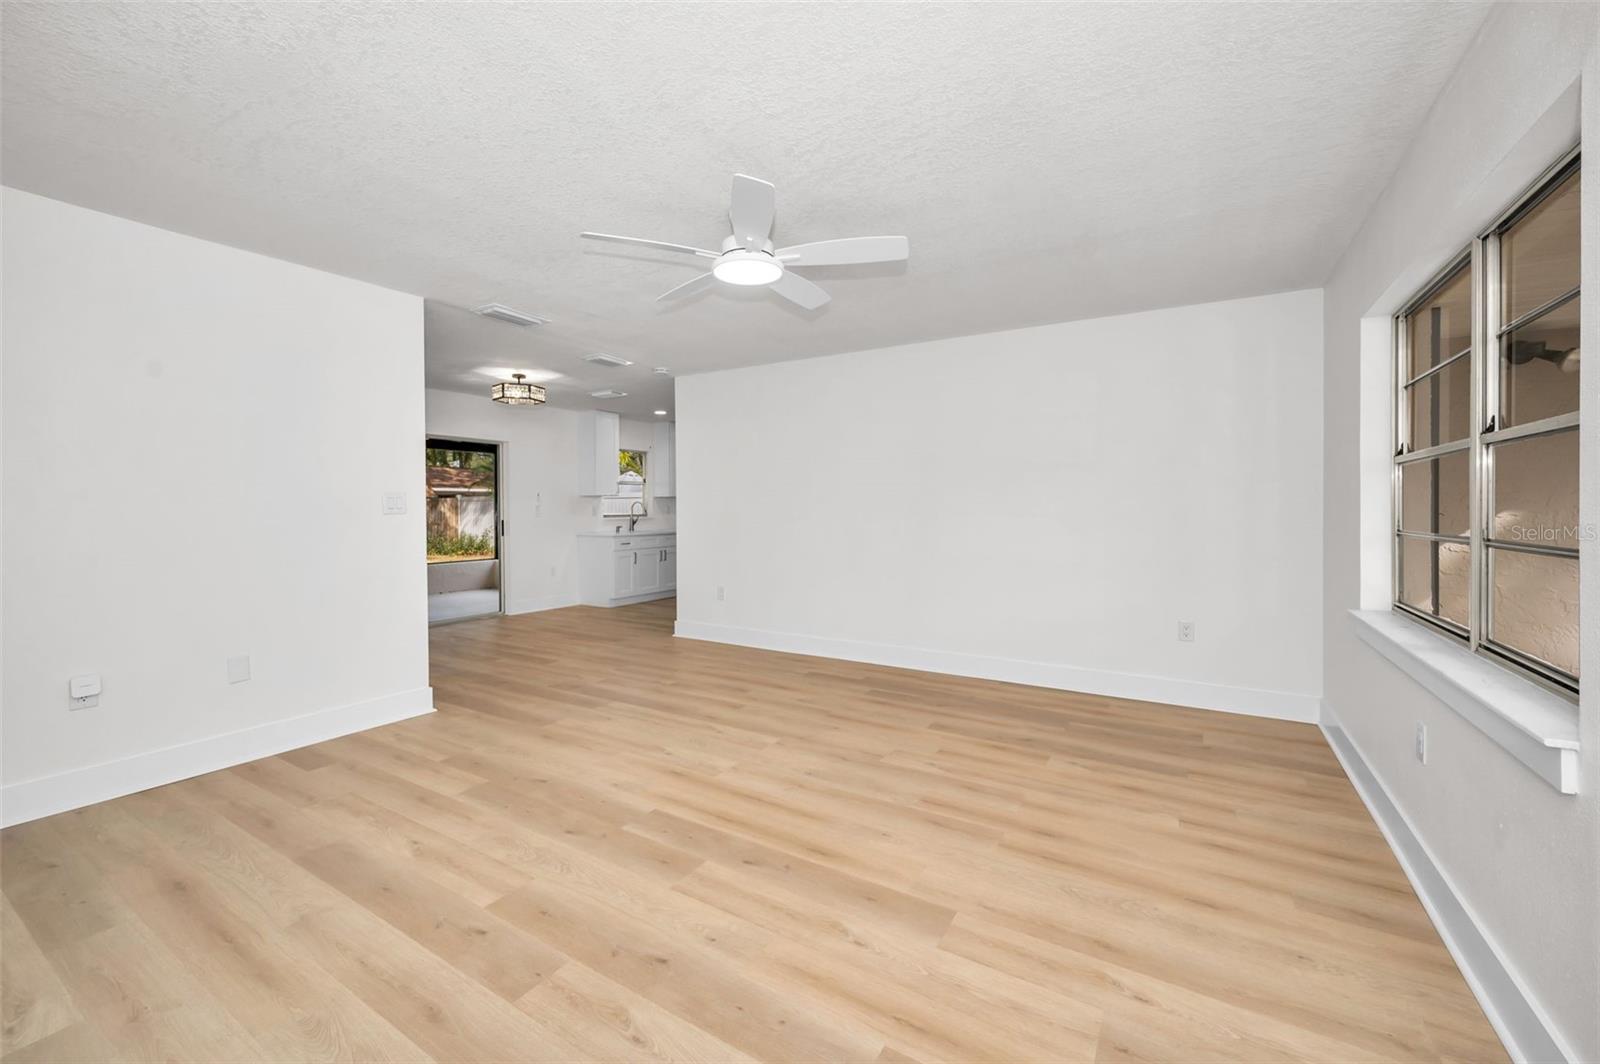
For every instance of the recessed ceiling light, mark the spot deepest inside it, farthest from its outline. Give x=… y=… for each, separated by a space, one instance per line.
x=505 y=313
x=607 y=393
x=661 y=413
x=663 y=370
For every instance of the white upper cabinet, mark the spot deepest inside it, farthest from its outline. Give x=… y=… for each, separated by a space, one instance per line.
x=663 y=471
x=599 y=435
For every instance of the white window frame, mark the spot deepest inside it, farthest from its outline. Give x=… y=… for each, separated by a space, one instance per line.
x=1482 y=259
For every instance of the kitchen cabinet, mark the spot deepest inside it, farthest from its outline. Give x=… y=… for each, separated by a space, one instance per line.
x=663 y=470
x=599 y=439
x=646 y=571
x=617 y=569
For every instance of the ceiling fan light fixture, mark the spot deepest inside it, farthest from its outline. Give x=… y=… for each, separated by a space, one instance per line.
x=749 y=259
x=517 y=392
x=747 y=268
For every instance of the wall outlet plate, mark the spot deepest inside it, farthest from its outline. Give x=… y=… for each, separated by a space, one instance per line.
x=83 y=692
x=1422 y=743
x=1186 y=631
x=394 y=502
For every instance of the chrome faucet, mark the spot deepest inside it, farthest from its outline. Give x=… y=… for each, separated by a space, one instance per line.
x=633 y=518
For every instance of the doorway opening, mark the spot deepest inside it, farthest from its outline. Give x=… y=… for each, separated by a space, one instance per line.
x=464 y=529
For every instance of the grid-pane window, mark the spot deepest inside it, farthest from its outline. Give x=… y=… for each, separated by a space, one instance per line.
x=1433 y=474
x=1486 y=428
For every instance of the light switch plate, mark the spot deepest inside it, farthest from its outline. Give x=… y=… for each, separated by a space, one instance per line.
x=239 y=669
x=394 y=502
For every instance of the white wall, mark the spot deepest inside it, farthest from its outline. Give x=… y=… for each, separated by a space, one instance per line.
x=1522 y=857
x=278 y=404
x=1044 y=505
x=539 y=500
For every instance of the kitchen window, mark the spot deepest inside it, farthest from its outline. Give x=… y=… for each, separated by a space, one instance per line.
x=630 y=487
x=1486 y=440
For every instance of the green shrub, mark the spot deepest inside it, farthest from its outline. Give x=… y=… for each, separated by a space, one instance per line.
x=455 y=546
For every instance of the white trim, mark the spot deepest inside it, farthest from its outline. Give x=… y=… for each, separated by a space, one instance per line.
x=538 y=605
x=1536 y=726
x=75 y=788
x=1523 y=1027
x=1252 y=701
x=633 y=600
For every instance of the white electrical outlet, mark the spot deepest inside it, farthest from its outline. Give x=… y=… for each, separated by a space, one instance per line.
x=83 y=692
x=394 y=502
x=1186 y=631
x=1422 y=743
x=719 y=592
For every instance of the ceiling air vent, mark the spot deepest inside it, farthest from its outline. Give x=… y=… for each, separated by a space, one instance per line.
x=607 y=393
x=606 y=360
x=505 y=313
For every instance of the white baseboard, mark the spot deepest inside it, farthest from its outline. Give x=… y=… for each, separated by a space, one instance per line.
x=73 y=789
x=1251 y=701
x=634 y=600
x=1516 y=1017
x=538 y=605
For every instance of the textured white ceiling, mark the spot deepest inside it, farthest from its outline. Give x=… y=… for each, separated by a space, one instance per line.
x=1048 y=162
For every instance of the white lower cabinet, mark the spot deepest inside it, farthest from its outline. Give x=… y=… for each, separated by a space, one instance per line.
x=646 y=571
x=615 y=570
x=621 y=575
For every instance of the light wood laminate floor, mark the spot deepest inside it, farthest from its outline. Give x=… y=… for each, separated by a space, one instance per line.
x=610 y=844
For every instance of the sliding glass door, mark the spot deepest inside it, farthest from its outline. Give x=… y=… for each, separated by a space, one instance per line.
x=463 y=501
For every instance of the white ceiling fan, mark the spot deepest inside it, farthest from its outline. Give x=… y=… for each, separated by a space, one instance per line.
x=749 y=259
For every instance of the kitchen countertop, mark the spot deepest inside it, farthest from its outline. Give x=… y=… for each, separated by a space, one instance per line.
x=609 y=534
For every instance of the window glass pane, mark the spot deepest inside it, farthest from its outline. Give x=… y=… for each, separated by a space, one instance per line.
x=1416 y=583
x=1433 y=495
x=630 y=474
x=1441 y=406
x=1536 y=490
x=1539 y=254
x=1539 y=367
x=1534 y=606
x=460 y=505
x=1442 y=326
x=1433 y=577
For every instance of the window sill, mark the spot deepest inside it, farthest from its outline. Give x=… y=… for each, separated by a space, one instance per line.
x=1537 y=727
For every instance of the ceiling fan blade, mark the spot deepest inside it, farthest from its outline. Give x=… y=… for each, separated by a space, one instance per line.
x=798 y=290
x=650 y=244
x=688 y=288
x=751 y=213
x=846 y=252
